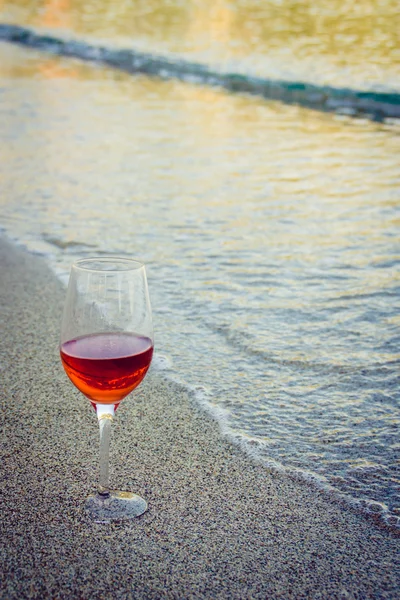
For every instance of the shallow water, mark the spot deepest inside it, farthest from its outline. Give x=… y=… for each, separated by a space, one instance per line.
x=271 y=235
x=331 y=42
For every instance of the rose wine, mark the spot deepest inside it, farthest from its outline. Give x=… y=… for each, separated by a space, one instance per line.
x=106 y=367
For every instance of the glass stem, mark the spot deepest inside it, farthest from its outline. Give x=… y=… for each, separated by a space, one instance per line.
x=105 y=420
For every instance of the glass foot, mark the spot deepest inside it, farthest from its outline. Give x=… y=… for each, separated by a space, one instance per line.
x=117 y=506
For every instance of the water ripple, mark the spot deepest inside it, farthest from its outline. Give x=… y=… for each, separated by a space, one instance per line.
x=370 y=104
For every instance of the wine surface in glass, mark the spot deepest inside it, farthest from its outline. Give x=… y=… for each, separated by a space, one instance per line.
x=106 y=367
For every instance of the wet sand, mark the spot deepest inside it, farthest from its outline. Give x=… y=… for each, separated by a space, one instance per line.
x=218 y=526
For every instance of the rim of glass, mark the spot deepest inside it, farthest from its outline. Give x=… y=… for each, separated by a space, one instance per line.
x=105 y=264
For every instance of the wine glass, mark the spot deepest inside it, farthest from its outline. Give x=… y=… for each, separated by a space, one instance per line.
x=106 y=348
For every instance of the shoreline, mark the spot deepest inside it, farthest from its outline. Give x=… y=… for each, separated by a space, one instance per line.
x=218 y=525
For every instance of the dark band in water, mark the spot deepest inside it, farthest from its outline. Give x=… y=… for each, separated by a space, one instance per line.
x=374 y=105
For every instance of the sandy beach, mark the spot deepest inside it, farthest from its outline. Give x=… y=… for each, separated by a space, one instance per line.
x=218 y=526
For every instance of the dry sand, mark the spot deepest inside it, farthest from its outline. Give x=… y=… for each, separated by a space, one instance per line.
x=218 y=526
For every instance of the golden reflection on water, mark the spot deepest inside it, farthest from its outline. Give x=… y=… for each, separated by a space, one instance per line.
x=305 y=183
x=337 y=42
x=56 y=13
